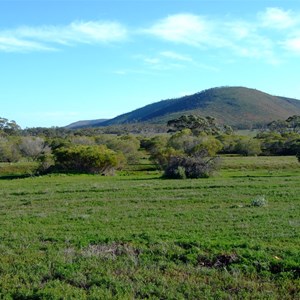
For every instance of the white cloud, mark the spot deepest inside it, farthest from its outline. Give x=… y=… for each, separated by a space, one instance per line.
x=49 y=37
x=241 y=38
x=292 y=44
x=277 y=18
x=98 y=32
x=237 y=30
x=259 y=38
x=181 y=28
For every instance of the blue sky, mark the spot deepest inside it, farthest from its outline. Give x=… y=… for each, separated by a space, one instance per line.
x=64 y=61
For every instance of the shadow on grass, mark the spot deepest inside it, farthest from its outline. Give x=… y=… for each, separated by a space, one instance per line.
x=15 y=176
x=257 y=176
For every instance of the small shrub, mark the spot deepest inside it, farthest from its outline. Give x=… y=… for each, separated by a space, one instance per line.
x=259 y=201
x=175 y=172
x=180 y=167
x=45 y=163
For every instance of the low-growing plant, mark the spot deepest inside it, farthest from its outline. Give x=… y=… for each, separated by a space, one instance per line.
x=259 y=201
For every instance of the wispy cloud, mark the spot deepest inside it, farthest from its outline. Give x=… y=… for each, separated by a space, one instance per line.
x=47 y=38
x=164 y=60
x=239 y=37
x=267 y=36
x=175 y=56
x=12 y=44
x=260 y=38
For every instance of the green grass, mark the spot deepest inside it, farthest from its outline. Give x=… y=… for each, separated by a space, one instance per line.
x=136 y=236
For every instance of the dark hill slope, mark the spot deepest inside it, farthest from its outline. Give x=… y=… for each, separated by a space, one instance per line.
x=85 y=124
x=236 y=106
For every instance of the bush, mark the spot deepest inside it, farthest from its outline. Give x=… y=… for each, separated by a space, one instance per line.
x=190 y=144
x=298 y=156
x=200 y=166
x=33 y=147
x=87 y=159
x=9 y=151
x=46 y=163
x=128 y=145
x=248 y=146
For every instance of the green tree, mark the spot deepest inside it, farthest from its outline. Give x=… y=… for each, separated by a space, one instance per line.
x=291 y=124
x=189 y=144
x=294 y=123
x=198 y=125
x=275 y=143
x=8 y=127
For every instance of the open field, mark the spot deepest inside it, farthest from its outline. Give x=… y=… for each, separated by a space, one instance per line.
x=136 y=236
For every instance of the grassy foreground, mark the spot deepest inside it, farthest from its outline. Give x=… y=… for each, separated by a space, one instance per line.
x=136 y=236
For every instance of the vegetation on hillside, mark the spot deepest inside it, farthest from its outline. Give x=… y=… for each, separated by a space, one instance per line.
x=235 y=106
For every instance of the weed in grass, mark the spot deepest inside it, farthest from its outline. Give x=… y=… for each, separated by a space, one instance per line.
x=259 y=201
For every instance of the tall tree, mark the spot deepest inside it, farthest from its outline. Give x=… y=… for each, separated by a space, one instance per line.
x=198 y=125
x=8 y=127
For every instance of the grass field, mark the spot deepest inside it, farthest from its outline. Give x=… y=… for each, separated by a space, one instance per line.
x=137 y=236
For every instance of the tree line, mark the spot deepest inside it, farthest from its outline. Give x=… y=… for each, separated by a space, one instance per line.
x=190 y=149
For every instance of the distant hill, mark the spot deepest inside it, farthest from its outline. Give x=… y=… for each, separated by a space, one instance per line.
x=85 y=124
x=236 y=106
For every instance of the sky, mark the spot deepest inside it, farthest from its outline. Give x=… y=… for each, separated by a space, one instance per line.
x=65 y=61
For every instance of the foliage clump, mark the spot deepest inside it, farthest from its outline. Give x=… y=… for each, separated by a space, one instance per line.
x=191 y=150
x=281 y=137
x=86 y=159
x=198 y=125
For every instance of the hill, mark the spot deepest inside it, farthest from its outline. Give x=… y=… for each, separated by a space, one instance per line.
x=85 y=124
x=236 y=106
